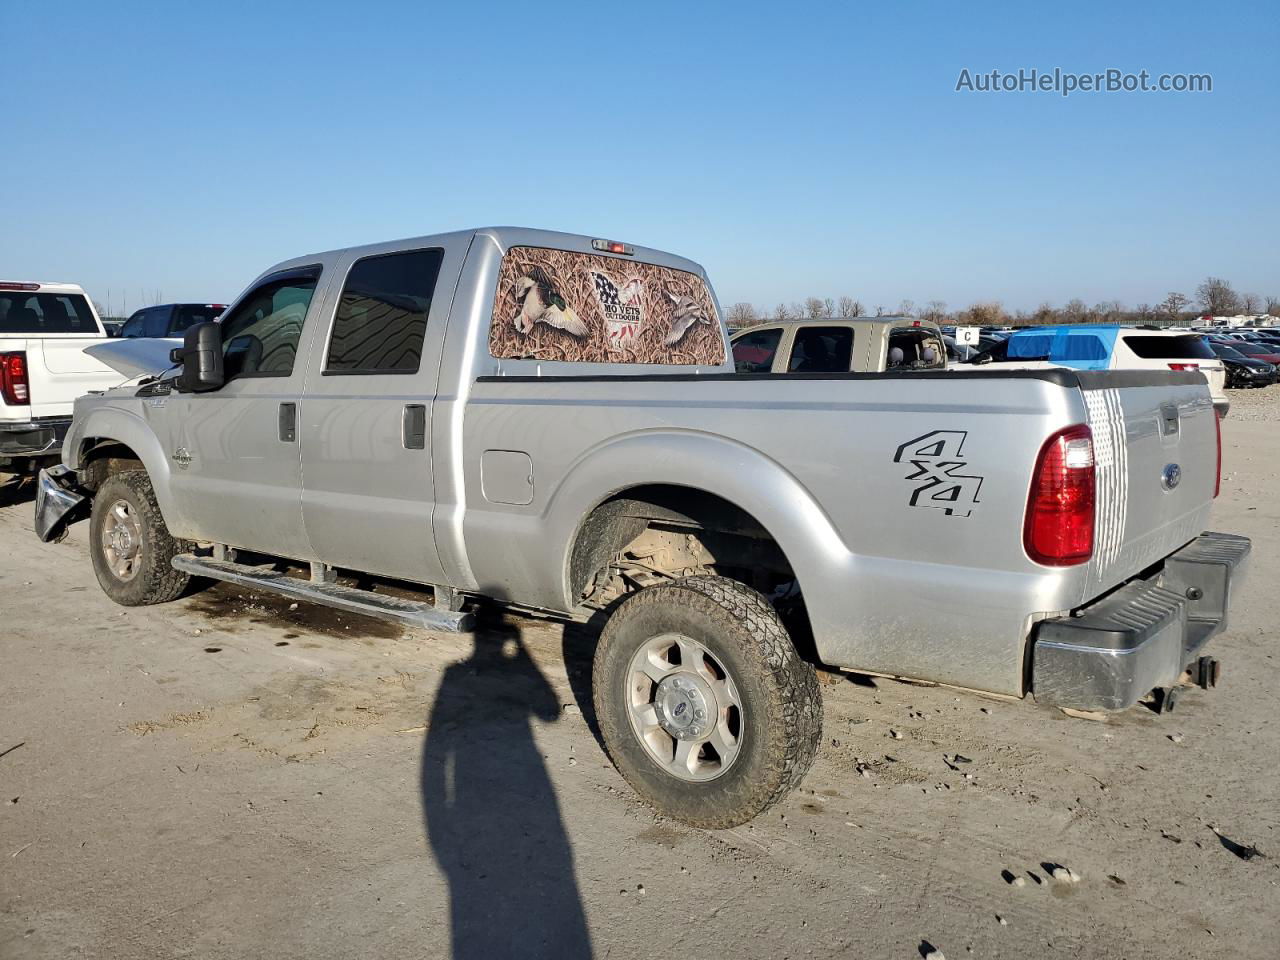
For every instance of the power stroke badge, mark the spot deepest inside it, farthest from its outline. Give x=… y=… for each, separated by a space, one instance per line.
x=939 y=483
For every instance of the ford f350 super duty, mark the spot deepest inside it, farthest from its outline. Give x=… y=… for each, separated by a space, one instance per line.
x=554 y=422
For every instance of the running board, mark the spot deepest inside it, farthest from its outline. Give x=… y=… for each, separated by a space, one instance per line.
x=365 y=602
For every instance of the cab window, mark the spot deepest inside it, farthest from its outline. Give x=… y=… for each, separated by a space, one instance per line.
x=156 y=322
x=260 y=335
x=821 y=350
x=914 y=348
x=381 y=320
x=133 y=326
x=753 y=352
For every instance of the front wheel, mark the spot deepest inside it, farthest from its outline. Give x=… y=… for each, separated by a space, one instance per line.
x=705 y=707
x=130 y=544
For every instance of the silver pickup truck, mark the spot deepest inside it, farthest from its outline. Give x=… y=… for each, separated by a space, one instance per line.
x=554 y=422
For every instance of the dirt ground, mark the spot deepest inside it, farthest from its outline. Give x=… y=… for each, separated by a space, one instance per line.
x=227 y=777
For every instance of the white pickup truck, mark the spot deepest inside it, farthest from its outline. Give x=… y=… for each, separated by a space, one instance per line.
x=44 y=329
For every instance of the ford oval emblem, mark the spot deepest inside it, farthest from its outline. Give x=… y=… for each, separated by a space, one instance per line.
x=1171 y=476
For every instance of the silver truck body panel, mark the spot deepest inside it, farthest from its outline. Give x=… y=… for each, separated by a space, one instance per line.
x=826 y=463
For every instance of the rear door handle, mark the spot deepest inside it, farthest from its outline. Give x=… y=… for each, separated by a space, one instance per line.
x=288 y=422
x=414 y=427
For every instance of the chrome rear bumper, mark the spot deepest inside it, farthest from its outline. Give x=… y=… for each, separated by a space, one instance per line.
x=1142 y=636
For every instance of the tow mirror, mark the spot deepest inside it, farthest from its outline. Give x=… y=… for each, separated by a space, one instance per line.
x=201 y=358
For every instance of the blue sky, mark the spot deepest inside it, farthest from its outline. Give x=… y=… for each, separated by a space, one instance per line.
x=793 y=150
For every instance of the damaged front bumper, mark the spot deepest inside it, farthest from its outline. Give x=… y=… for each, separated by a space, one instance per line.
x=59 y=502
x=1142 y=636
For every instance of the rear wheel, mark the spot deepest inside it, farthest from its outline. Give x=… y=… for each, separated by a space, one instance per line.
x=130 y=544
x=705 y=707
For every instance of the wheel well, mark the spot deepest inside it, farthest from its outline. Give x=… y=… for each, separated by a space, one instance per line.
x=662 y=531
x=100 y=459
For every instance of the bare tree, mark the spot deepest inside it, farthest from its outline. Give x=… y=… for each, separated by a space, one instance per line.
x=1217 y=297
x=98 y=308
x=935 y=311
x=780 y=312
x=1045 y=313
x=814 y=307
x=879 y=311
x=1273 y=306
x=1250 y=303
x=986 y=314
x=1143 y=313
x=1173 y=305
x=1075 y=311
x=845 y=307
x=798 y=311
x=1108 y=311
x=907 y=308
x=742 y=315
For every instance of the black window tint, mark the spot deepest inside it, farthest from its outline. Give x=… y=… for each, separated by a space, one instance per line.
x=189 y=314
x=822 y=350
x=22 y=312
x=260 y=336
x=133 y=326
x=382 y=316
x=155 y=322
x=753 y=352
x=1169 y=348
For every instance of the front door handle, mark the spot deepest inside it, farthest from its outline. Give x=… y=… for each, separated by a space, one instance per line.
x=414 y=426
x=288 y=422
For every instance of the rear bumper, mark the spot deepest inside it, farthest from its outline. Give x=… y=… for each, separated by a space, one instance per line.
x=33 y=438
x=1143 y=635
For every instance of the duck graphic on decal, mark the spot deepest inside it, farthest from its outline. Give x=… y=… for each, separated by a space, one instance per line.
x=540 y=302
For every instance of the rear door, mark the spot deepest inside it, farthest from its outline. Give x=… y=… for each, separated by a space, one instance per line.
x=365 y=430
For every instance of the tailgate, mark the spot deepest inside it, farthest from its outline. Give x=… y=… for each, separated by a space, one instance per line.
x=1156 y=449
x=59 y=371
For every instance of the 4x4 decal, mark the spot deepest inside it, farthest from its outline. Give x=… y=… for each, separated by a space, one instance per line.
x=936 y=458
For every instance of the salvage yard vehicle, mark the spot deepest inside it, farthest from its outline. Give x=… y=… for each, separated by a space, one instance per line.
x=1087 y=346
x=861 y=344
x=554 y=422
x=169 y=319
x=44 y=328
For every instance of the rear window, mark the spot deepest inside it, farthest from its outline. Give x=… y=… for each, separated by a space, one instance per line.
x=821 y=350
x=189 y=314
x=583 y=307
x=1169 y=348
x=22 y=312
x=1252 y=349
x=753 y=352
x=914 y=348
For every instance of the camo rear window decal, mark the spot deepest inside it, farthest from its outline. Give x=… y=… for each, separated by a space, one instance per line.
x=560 y=305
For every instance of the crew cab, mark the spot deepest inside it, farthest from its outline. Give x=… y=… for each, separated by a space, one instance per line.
x=860 y=344
x=44 y=328
x=554 y=422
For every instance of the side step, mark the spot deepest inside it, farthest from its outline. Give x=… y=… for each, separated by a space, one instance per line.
x=366 y=602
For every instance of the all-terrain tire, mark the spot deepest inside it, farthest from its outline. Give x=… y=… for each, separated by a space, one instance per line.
x=781 y=723
x=154 y=580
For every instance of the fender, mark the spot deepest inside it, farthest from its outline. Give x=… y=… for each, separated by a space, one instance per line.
x=122 y=426
x=738 y=473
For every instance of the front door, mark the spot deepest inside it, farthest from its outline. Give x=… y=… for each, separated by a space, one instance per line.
x=236 y=467
x=365 y=430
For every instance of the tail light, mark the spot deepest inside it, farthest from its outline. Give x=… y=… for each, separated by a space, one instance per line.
x=14 y=388
x=1059 y=526
x=1184 y=366
x=1217 y=476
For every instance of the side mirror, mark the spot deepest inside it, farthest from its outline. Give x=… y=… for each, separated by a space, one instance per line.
x=201 y=358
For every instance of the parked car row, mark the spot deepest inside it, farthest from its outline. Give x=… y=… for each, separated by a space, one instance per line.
x=564 y=427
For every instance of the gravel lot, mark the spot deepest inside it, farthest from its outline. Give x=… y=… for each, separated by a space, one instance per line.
x=229 y=777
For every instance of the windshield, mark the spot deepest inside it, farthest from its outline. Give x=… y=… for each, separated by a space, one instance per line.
x=22 y=312
x=1227 y=352
x=1250 y=350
